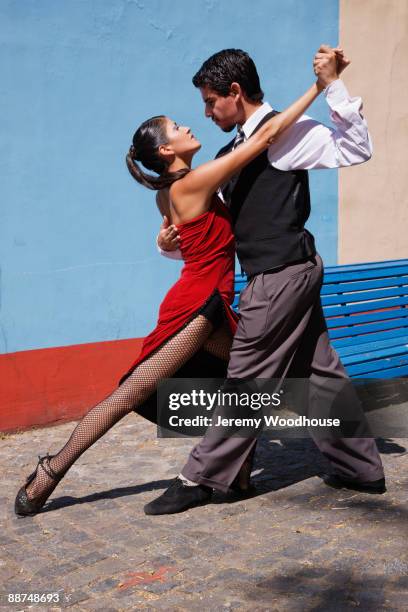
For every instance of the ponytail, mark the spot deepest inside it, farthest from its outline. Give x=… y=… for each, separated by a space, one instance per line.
x=149 y=180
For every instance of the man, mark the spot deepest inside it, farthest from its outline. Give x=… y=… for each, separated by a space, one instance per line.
x=281 y=328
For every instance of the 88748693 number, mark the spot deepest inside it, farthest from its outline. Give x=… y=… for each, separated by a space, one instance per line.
x=33 y=597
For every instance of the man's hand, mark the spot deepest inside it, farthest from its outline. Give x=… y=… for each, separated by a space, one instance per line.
x=342 y=60
x=328 y=63
x=168 y=238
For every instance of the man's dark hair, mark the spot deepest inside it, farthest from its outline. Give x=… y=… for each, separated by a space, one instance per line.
x=226 y=67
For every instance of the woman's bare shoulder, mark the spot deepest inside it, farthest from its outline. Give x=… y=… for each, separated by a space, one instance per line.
x=185 y=203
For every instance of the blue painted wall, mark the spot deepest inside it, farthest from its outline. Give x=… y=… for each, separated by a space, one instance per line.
x=77 y=234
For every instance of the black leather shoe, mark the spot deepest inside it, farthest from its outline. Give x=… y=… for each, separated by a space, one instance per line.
x=179 y=497
x=23 y=506
x=372 y=486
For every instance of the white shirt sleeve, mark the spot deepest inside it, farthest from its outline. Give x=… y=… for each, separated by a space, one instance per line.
x=308 y=144
x=169 y=254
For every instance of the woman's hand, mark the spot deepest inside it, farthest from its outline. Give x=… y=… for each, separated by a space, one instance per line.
x=328 y=64
x=168 y=238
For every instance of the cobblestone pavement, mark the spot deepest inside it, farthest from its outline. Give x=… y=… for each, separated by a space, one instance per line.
x=295 y=545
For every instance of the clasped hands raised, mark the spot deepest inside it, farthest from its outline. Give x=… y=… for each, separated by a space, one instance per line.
x=328 y=64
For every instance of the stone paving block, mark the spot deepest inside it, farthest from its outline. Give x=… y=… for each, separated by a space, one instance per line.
x=171 y=602
x=5 y=540
x=90 y=558
x=396 y=601
x=184 y=552
x=100 y=605
x=110 y=549
x=199 y=571
x=163 y=560
x=401 y=583
x=132 y=600
x=54 y=570
x=160 y=587
x=75 y=537
x=105 y=585
x=302 y=545
x=213 y=546
x=8 y=573
x=197 y=586
x=72 y=599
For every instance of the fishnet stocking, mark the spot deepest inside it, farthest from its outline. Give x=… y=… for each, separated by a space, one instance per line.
x=133 y=392
x=219 y=343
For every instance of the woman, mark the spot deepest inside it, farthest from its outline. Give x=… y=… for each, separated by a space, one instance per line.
x=196 y=312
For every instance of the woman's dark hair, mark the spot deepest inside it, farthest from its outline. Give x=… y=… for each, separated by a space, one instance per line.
x=145 y=148
x=227 y=67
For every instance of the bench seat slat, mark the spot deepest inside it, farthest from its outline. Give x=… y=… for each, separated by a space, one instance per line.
x=370 y=355
x=378 y=364
x=387 y=373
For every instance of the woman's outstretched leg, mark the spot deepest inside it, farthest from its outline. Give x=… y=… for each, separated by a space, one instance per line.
x=219 y=343
x=131 y=393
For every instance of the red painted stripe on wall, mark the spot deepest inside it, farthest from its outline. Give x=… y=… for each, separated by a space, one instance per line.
x=54 y=385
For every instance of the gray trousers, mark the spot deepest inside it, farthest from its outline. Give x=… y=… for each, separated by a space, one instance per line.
x=282 y=331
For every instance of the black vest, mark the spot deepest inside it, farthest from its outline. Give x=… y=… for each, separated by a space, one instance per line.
x=269 y=208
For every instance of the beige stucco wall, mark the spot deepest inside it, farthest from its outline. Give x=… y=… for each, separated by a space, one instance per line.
x=373 y=197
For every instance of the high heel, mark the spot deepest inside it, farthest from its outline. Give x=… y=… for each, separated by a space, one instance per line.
x=24 y=506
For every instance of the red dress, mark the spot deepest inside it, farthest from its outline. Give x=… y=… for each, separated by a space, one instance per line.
x=208 y=251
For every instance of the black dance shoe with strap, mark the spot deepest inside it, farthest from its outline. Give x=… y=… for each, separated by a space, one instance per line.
x=24 y=506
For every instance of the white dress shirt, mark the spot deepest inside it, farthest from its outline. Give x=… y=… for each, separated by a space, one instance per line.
x=309 y=145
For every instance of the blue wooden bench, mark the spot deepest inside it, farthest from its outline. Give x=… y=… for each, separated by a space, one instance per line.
x=366 y=309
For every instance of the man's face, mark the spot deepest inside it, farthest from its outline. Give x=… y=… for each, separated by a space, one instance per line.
x=222 y=110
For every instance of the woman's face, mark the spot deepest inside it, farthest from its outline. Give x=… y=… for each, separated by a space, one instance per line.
x=180 y=139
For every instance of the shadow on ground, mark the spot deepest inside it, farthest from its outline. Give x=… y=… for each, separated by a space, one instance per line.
x=66 y=500
x=326 y=589
x=278 y=464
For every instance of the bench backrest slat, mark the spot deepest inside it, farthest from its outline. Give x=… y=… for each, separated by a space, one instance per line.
x=364 y=296
x=377 y=306
x=357 y=342
x=372 y=348
x=379 y=283
x=364 y=330
x=335 y=276
x=373 y=317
